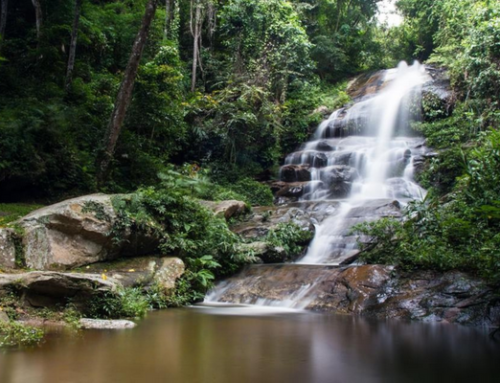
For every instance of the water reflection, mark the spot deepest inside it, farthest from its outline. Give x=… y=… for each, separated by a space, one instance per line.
x=196 y=345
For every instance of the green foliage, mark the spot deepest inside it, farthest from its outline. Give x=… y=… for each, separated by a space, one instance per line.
x=71 y=315
x=441 y=172
x=459 y=234
x=127 y=302
x=289 y=238
x=342 y=34
x=186 y=229
x=15 y=334
x=253 y=192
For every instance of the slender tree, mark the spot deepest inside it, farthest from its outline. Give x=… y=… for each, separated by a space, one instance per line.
x=125 y=93
x=3 y=17
x=39 y=18
x=196 y=21
x=168 y=17
x=72 y=46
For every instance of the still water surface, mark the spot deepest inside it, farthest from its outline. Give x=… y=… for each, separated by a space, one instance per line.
x=238 y=345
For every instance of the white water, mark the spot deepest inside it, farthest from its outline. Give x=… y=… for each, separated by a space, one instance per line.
x=378 y=164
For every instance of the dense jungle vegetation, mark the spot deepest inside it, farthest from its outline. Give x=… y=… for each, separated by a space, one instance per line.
x=105 y=95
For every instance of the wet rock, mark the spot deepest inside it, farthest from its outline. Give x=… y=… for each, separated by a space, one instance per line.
x=438 y=98
x=295 y=173
x=101 y=324
x=399 y=188
x=311 y=158
x=342 y=158
x=324 y=146
x=339 y=179
x=294 y=189
x=7 y=249
x=366 y=85
x=370 y=290
x=227 y=209
x=303 y=214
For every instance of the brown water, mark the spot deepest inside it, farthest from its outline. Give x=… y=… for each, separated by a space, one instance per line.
x=204 y=345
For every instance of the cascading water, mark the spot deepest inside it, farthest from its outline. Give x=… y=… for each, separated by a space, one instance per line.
x=374 y=165
x=361 y=159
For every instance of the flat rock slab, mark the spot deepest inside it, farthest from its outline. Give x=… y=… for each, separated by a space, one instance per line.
x=102 y=324
x=48 y=288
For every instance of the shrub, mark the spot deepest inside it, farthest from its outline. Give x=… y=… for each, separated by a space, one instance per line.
x=15 y=334
x=127 y=302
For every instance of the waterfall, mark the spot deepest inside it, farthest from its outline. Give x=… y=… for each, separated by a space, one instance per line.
x=360 y=161
x=375 y=164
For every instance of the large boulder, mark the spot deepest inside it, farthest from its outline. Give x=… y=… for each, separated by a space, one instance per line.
x=77 y=232
x=74 y=233
x=7 y=248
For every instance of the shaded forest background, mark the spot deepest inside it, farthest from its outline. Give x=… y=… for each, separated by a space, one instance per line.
x=260 y=70
x=224 y=89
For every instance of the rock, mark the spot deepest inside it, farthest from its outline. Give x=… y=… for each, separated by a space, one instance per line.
x=339 y=180
x=374 y=291
x=7 y=249
x=438 y=99
x=295 y=173
x=75 y=233
x=293 y=189
x=3 y=316
x=324 y=146
x=303 y=214
x=366 y=85
x=142 y=271
x=311 y=158
x=101 y=324
x=323 y=110
x=169 y=270
x=227 y=209
x=48 y=288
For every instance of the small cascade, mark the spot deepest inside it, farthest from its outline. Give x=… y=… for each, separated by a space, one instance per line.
x=363 y=158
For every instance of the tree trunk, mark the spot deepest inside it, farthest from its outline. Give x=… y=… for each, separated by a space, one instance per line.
x=168 y=13
x=39 y=18
x=72 y=46
x=3 y=18
x=196 y=32
x=125 y=94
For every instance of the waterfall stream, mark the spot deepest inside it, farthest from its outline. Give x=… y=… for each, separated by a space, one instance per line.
x=362 y=159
